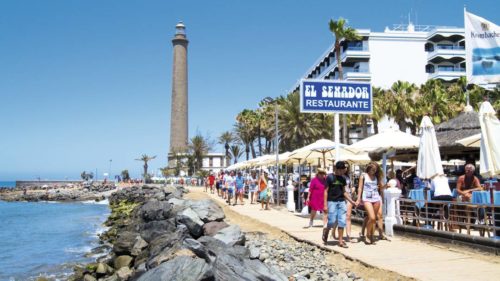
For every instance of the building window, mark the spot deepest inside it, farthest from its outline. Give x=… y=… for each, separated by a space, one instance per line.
x=429 y=68
x=429 y=47
x=210 y=162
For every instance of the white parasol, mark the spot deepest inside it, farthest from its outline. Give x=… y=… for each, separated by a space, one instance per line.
x=429 y=158
x=490 y=146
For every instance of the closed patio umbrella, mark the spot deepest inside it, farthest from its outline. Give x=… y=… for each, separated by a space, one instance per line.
x=490 y=146
x=429 y=158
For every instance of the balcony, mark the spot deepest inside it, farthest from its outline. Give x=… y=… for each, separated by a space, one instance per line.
x=441 y=53
x=447 y=73
x=352 y=53
x=357 y=75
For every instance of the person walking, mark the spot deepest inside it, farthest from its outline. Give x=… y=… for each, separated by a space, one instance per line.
x=368 y=192
x=211 y=182
x=240 y=188
x=252 y=187
x=263 y=189
x=335 y=198
x=230 y=184
x=316 y=196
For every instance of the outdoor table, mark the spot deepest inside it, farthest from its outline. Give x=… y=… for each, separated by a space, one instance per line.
x=480 y=197
x=496 y=198
x=418 y=195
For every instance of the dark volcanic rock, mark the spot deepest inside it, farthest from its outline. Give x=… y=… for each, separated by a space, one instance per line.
x=207 y=210
x=124 y=243
x=190 y=219
x=231 y=235
x=154 y=229
x=180 y=268
x=155 y=210
x=211 y=228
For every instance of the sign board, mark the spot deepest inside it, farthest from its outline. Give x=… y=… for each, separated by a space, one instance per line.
x=331 y=96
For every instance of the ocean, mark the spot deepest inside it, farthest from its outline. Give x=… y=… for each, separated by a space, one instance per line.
x=7 y=184
x=47 y=239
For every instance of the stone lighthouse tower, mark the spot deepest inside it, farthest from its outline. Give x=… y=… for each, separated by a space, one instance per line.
x=179 y=111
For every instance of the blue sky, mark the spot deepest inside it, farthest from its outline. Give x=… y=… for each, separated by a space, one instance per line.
x=86 y=82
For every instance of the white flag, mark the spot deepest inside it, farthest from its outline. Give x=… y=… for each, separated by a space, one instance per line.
x=482 y=50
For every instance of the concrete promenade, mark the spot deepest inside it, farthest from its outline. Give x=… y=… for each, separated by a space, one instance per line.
x=423 y=260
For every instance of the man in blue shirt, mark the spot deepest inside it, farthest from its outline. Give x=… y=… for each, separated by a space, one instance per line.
x=240 y=188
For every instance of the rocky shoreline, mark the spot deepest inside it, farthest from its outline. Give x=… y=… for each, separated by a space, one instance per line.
x=155 y=234
x=66 y=193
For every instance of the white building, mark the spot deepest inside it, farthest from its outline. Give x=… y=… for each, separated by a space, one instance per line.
x=406 y=52
x=211 y=161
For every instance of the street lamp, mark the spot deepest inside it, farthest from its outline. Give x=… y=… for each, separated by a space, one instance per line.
x=109 y=171
x=270 y=100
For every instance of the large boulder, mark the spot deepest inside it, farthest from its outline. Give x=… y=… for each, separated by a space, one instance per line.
x=229 y=267
x=180 y=268
x=165 y=246
x=124 y=243
x=262 y=271
x=139 y=245
x=190 y=219
x=207 y=210
x=211 y=228
x=122 y=261
x=153 y=229
x=231 y=235
x=155 y=210
x=210 y=248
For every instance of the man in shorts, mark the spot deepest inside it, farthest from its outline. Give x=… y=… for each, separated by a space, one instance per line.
x=335 y=197
x=211 y=181
x=240 y=188
x=229 y=185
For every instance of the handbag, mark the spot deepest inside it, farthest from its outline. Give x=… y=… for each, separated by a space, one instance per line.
x=305 y=211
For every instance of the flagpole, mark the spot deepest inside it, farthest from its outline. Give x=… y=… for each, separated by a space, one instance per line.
x=466 y=91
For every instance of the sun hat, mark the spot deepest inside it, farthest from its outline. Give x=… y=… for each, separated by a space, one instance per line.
x=265 y=170
x=321 y=171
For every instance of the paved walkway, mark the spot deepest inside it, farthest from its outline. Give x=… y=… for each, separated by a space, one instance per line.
x=422 y=260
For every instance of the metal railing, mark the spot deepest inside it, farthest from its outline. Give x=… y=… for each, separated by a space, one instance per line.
x=475 y=219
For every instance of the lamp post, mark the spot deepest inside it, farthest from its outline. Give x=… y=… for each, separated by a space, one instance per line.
x=270 y=100
x=109 y=171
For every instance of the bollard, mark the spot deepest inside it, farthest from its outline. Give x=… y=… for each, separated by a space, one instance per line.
x=390 y=209
x=290 y=203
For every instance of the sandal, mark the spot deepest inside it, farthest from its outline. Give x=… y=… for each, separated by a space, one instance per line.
x=383 y=237
x=343 y=245
x=325 y=235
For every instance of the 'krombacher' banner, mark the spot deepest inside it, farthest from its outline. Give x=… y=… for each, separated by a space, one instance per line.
x=482 y=50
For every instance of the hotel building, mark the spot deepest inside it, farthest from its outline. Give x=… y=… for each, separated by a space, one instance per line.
x=413 y=53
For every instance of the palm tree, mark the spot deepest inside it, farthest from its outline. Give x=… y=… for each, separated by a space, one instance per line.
x=400 y=101
x=199 y=147
x=298 y=129
x=436 y=101
x=245 y=129
x=145 y=158
x=236 y=152
x=342 y=32
x=380 y=106
x=226 y=138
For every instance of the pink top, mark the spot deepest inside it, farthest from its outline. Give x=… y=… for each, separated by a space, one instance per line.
x=317 y=194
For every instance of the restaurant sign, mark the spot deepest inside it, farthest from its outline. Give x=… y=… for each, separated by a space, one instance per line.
x=331 y=96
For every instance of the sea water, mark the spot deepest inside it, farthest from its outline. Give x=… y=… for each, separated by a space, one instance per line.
x=47 y=239
x=7 y=184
